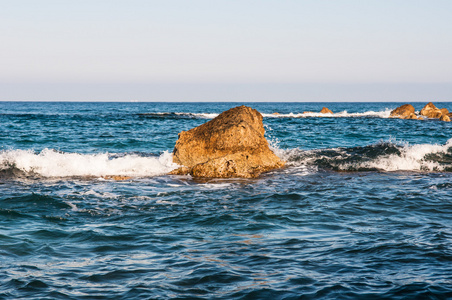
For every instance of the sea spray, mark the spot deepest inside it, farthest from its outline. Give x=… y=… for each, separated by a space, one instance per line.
x=413 y=158
x=384 y=156
x=52 y=163
x=343 y=114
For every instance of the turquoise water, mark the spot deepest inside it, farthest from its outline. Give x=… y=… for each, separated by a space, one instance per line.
x=362 y=210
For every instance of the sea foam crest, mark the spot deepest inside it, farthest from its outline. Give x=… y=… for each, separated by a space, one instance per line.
x=52 y=163
x=384 y=156
x=411 y=158
x=344 y=114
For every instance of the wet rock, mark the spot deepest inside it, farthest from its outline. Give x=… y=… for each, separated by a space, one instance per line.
x=231 y=145
x=412 y=116
x=403 y=111
x=326 y=111
x=445 y=118
x=431 y=111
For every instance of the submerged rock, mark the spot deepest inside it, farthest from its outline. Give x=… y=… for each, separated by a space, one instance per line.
x=231 y=145
x=431 y=111
x=326 y=111
x=404 y=111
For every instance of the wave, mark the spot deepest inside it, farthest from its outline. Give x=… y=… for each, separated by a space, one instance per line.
x=383 y=156
x=52 y=163
x=179 y=115
x=344 y=114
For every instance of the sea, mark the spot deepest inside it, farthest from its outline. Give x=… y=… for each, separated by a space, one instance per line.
x=362 y=209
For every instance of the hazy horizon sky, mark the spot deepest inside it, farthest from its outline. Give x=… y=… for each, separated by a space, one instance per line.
x=201 y=50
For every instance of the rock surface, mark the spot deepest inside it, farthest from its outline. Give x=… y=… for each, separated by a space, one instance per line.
x=431 y=111
x=231 y=145
x=444 y=111
x=326 y=111
x=403 y=111
x=412 y=116
x=445 y=118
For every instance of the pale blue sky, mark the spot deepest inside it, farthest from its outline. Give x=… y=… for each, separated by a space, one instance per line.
x=351 y=50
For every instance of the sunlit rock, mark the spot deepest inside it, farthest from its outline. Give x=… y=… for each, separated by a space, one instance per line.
x=231 y=145
x=431 y=111
x=403 y=111
x=326 y=111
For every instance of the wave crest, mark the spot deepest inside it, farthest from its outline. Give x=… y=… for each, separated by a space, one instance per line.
x=383 y=156
x=52 y=163
x=344 y=114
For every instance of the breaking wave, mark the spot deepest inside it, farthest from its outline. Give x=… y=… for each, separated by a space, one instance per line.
x=344 y=114
x=383 y=156
x=51 y=163
x=179 y=115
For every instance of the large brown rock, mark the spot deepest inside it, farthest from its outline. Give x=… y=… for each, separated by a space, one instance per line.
x=403 y=111
x=326 y=110
x=231 y=145
x=431 y=111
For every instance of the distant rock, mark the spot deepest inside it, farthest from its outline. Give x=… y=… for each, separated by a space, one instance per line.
x=412 y=116
x=308 y=112
x=403 y=111
x=444 y=111
x=326 y=111
x=276 y=113
x=230 y=145
x=445 y=118
x=431 y=111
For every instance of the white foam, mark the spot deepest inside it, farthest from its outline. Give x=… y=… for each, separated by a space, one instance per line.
x=412 y=158
x=200 y=115
x=344 y=114
x=51 y=163
x=196 y=115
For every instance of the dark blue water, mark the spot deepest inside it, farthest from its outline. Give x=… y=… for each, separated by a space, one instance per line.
x=363 y=209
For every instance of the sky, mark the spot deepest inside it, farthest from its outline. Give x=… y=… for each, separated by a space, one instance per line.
x=234 y=50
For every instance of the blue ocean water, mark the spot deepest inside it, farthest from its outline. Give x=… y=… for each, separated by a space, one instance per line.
x=363 y=209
